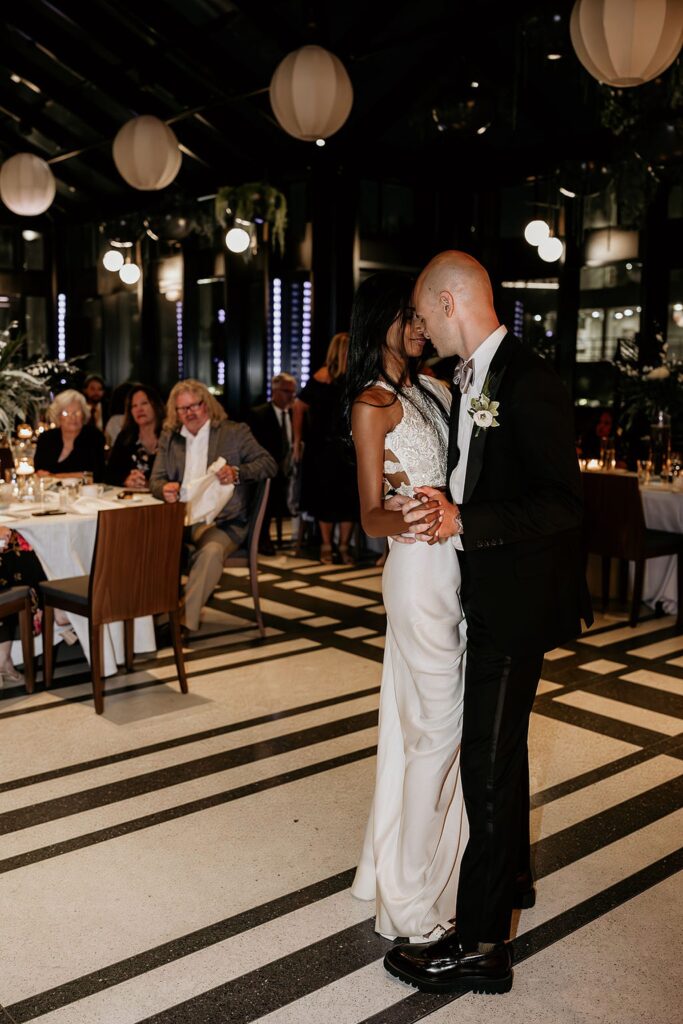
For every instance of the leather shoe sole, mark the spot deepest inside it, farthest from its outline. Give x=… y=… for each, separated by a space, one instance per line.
x=477 y=985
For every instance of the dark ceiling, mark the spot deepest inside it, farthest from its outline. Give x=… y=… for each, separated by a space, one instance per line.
x=72 y=72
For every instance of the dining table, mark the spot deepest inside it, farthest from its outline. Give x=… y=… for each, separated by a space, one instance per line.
x=663 y=510
x=64 y=541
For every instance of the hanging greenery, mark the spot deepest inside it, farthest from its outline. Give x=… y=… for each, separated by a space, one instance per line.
x=25 y=388
x=255 y=202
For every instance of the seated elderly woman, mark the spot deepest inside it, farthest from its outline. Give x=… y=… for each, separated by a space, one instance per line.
x=196 y=433
x=73 y=448
x=132 y=457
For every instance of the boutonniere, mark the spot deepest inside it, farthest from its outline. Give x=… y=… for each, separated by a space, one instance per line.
x=483 y=411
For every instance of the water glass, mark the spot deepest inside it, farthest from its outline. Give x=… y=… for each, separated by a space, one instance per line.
x=644 y=471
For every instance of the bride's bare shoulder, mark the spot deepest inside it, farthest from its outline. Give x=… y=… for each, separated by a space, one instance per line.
x=376 y=396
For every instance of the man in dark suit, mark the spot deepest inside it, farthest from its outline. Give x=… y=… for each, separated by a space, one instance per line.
x=514 y=513
x=271 y=425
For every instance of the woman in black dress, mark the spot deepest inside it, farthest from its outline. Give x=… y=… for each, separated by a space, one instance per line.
x=328 y=471
x=73 y=448
x=133 y=454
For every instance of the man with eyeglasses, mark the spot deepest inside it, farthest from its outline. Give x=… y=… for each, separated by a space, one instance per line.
x=196 y=433
x=271 y=424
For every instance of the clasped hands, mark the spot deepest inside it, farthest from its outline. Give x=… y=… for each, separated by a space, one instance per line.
x=429 y=516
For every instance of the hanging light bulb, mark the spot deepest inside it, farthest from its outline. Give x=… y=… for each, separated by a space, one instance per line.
x=130 y=273
x=238 y=240
x=550 y=250
x=536 y=231
x=113 y=260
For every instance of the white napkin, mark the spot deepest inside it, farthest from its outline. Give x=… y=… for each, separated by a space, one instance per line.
x=206 y=496
x=91 y=506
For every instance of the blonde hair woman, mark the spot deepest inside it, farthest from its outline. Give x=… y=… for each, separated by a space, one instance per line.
x=74 y=447
x=329 y=489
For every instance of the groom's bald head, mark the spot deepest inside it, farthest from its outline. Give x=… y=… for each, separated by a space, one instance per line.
x=454 y=295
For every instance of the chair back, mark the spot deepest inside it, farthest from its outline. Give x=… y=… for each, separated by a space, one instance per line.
x=258 y=502
x=6 y=462
x=136 y=564
x=614 y=522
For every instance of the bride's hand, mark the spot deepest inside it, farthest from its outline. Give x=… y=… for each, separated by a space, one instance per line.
x=423 y=517
x=449 y=525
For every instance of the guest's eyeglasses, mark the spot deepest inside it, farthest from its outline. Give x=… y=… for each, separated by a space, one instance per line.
x=77 y=415
x=192 y=407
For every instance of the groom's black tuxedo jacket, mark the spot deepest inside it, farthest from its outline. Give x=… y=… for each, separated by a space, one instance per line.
x=523 y=568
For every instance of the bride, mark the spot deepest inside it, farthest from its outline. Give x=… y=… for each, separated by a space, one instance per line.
x=417 y=828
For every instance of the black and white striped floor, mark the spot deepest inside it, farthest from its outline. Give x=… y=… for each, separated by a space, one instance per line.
x=187 y=859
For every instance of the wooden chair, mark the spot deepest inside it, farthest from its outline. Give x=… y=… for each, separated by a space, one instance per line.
x=135 y=572
x=17 y=601
x=614 y=527
x=247 y=555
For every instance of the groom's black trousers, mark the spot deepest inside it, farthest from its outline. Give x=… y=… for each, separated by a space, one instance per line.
x=499 y=694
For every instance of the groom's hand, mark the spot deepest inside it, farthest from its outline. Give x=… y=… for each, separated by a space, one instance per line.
x=423 y=518
x=396 y=503
x=450 y=523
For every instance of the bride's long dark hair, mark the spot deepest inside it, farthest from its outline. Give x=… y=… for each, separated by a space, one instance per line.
x=382 y=300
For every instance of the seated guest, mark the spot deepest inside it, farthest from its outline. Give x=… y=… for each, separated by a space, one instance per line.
x=72 y=449
x=93 y=389
x=131 y=459
x=117 y=411
x=20 y=567
x=271 y=425
x=196 y=433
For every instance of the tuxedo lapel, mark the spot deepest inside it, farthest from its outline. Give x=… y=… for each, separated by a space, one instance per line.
x=496 y=373
x=453 y=423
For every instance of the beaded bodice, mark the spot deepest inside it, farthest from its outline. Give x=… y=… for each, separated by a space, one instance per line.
x=419 y=443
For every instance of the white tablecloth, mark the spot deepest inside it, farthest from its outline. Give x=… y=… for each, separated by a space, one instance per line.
x=65 y=546
x=663 y=508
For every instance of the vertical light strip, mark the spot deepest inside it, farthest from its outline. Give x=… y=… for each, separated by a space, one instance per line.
x=276 y=321
x=179 y=337
x=220 y=373
x=306 y=333
x=61 y=326
x=518 y=319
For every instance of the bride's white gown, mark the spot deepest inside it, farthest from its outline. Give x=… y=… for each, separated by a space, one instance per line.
x=417 y=829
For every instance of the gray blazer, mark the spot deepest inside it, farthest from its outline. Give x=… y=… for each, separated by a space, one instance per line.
x=238 y=446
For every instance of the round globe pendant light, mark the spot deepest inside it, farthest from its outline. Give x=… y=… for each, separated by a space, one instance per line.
x=536 y=231
x=27 y=185
x=624 y=43
x=130 y=273
x=238 y=240
x=550 y=250
x=146 y=153
x=113 y=259
x=311 y=93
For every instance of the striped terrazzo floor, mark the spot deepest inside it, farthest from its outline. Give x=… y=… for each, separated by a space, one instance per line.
x=187 y=859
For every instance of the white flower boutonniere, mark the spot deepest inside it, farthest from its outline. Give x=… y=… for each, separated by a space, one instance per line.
x=483 y=411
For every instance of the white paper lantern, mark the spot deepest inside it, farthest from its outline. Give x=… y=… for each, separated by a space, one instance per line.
x=238 y=240
x=130 y=273
x=112 y=260
x=311 y=93
x=626 y=42
x=146 y=153
x=536 y=231
x=27 y=185
x=550 y=250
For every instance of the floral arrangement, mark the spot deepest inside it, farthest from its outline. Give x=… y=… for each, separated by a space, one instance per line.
x=25 y=388
x=649 y=383
x=256 y=202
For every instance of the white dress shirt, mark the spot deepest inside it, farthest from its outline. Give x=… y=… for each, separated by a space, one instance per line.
x=196 y=456
x=482 y=357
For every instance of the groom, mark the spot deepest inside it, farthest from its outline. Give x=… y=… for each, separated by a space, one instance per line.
x=515 y=518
